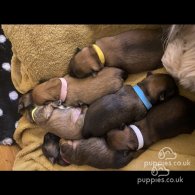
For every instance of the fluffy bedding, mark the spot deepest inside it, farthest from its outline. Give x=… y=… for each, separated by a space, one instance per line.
x=41 y=52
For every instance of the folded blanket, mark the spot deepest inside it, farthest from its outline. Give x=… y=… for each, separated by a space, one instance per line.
x=41 y=52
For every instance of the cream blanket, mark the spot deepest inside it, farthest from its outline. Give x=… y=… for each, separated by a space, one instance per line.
x=41 y=52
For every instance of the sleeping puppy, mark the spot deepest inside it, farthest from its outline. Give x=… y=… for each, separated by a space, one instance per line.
x=178 y=58
x=51 y=149
x=166 y=120
x=127 y=105
x=94 y=152
x=169 y=119
x=133 y=51
x=65 y=122
x=75 y=92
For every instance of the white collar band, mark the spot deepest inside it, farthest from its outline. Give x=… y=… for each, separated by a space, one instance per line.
x=139 y=136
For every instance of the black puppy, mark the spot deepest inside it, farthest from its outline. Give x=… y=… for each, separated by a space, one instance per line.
x=51 y=149
x=125 y=106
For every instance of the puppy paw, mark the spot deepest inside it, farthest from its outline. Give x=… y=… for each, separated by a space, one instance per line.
x=7 y=141
x=24 y=102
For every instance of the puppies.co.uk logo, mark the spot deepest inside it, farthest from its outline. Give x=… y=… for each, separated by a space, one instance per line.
x=167 y=157
x=165 y=153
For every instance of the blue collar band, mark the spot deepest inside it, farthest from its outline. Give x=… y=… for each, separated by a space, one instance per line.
x=142 y=97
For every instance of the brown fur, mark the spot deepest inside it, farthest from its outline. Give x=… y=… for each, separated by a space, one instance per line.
x=165 y=120
x=125 y=107
x=133 y=51
x=169 y=119
x=94 y=152
x=80 y=91
x=59 y=121
x=51 y=149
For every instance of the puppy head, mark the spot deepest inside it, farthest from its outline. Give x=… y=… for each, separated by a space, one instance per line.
x=84 y=63
x=47 y=91
x=40 y=113
x=159 y=87
x=51 y=149
x=122 y=139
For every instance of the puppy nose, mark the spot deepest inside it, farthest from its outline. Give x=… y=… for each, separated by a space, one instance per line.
x=52 y=160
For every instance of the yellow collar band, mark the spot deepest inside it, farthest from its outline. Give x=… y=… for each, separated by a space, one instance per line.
x=99 y=53
x=33 y=112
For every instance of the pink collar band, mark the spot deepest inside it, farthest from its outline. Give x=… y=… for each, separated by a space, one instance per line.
x=63 y=92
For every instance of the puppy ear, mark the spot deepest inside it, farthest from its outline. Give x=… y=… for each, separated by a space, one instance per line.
x=149 y=74
x=122 y=126
x=77 y=50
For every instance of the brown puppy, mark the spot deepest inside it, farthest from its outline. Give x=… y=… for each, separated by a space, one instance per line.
x=133 y=51
x=65 y=122
x=125 y=106
x=75 y=92
x=94 y=152
x=166 y=120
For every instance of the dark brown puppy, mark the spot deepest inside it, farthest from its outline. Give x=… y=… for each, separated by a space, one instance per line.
x=125 y=107
x=51 y=149
x=78 y=91
x=133 y=51
x=65 y=122
x=94 y=152
x=166 y=120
